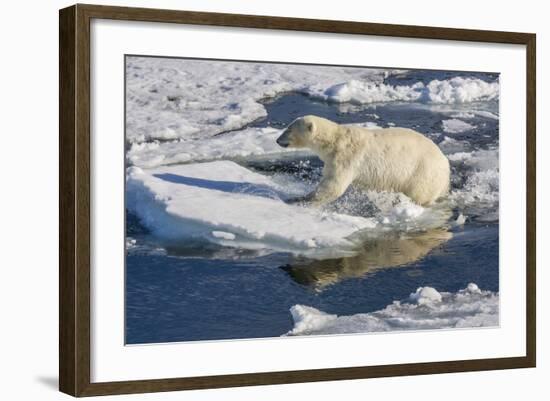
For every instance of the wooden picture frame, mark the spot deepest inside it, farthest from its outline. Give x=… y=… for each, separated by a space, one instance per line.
x=75 y=206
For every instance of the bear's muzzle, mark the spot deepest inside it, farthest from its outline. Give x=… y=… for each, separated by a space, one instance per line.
x=282 y=141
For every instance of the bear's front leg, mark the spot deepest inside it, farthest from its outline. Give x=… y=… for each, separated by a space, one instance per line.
x=334 y=183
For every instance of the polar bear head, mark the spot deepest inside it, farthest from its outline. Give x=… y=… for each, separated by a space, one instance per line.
x=304 y=132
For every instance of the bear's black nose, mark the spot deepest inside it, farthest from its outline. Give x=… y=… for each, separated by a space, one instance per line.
x=282 y=143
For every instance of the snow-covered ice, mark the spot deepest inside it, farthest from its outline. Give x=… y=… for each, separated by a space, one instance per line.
x=227 y=204
x=451 y=91
x=481 y=186
x=238 y=144
x=170 y=99
x=462 y=90
x=475 y=113
x=450 y=145
x=362 y=92
x=455 y=126
x=182 y=98
x=426 y=308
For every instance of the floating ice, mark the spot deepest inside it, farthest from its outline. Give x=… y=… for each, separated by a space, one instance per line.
x=455 y=90
x=462 y=90
x=130 y=243
x=480 y=190
x=426 y=308
x=135 y=247
x=224 y=203
x=455 y=126
x=460 y=220
x=245 y=143
x=425 y=296
x=223 y=235
x=397 y=211
x=475 y=113
x=362 y=92
x=367 y=124
x=183 y=98
x=464 y=114
x=486 y=114
x=451 y=145
x=479 y=193
x=480 y=160
x=465 y=111
x=170 y=99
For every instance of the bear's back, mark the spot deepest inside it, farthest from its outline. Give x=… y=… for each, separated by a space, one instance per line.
x=403 y=160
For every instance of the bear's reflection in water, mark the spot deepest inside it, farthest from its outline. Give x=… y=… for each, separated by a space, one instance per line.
x=390 y=250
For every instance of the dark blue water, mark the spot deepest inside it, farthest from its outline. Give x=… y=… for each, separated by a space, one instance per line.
x=183 y=299
x=185 y=294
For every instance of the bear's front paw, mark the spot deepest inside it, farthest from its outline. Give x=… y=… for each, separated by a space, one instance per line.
x=299 y=199
x=307 y=200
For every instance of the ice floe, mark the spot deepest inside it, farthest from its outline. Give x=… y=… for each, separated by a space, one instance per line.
x=362 y=92
x=479 y=191
x=450 y=145
x=169 y=99
x=451 y=91
x=238 y=144
x=224 y=203
x=462 y=90
x=426 y=308
x=455 y=126
x=475 y=113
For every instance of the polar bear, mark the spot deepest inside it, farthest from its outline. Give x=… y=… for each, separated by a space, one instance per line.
x=389 y=159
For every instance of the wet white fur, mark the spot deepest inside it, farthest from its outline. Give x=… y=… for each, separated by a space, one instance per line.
x=391 y=159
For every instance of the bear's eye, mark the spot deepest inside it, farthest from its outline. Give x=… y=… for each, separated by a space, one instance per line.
x=309 y=126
